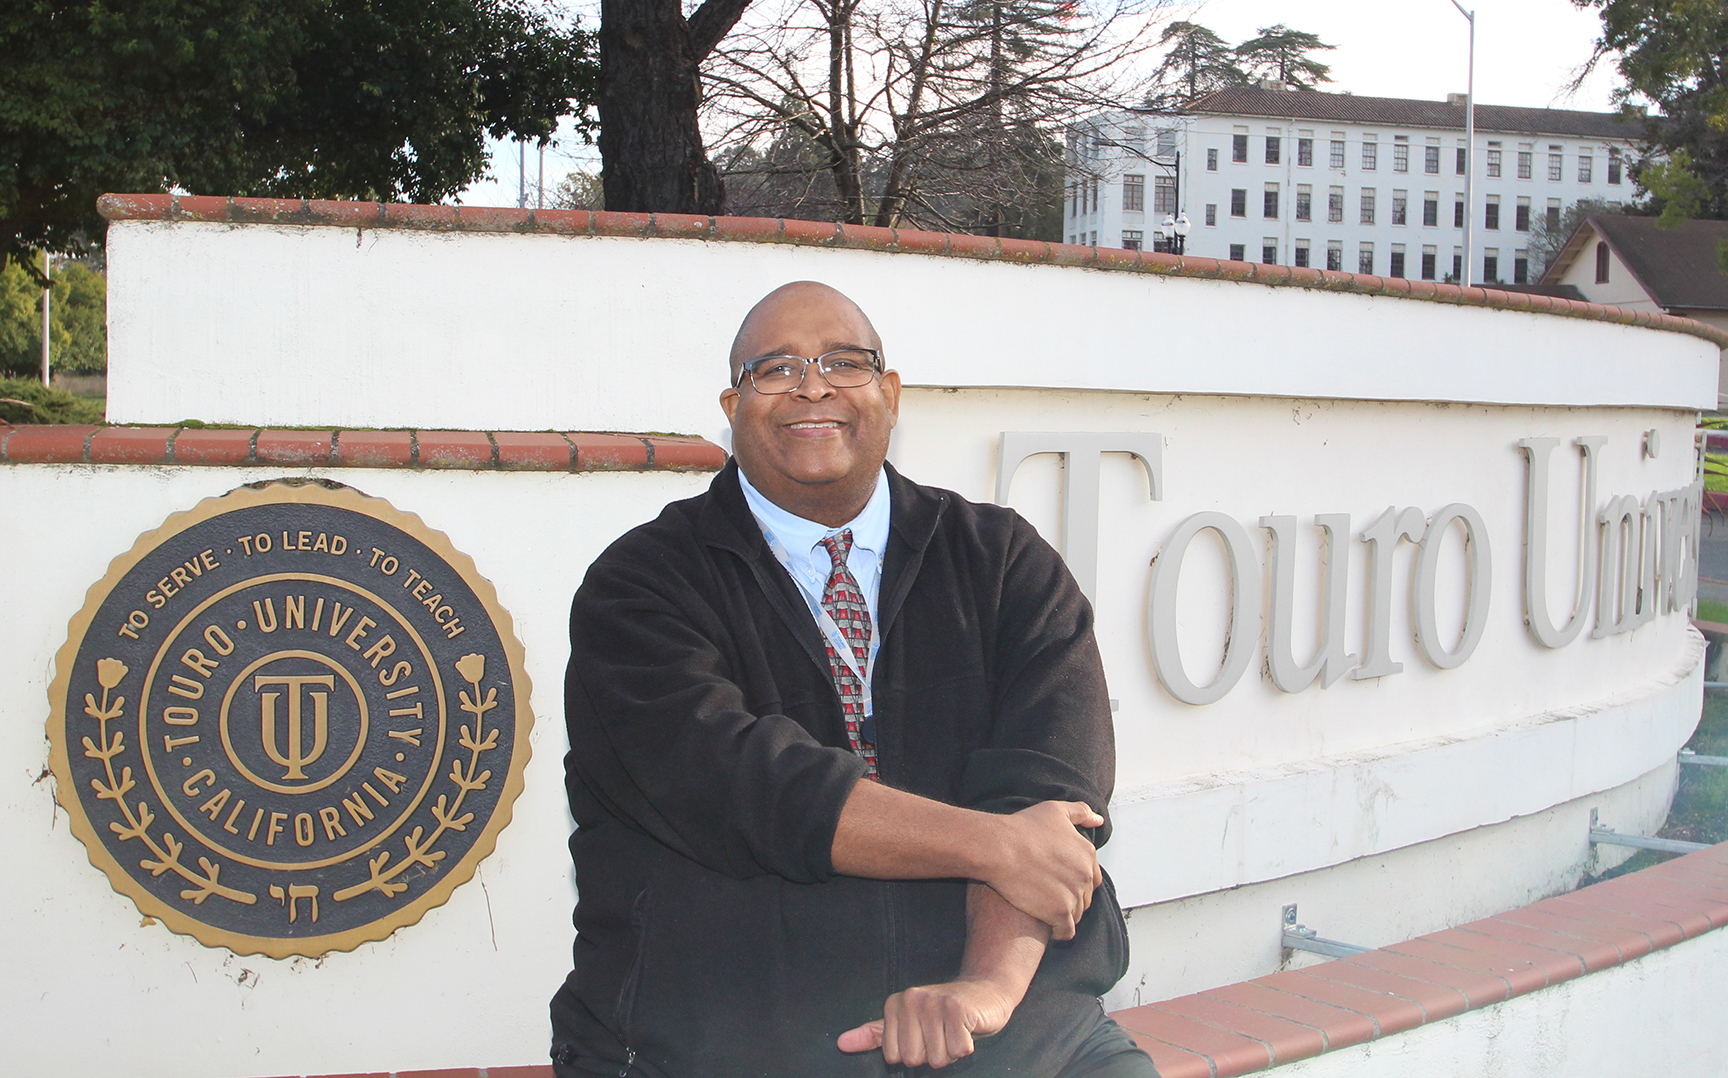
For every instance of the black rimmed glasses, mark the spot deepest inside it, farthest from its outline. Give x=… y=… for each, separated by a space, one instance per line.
x=843 y=368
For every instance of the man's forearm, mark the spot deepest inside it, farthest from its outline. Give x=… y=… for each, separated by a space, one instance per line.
x=888 y=834
x=1034 y=858
x=1003 y=945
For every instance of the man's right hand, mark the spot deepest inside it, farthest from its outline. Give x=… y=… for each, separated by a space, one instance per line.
x=1046 y=868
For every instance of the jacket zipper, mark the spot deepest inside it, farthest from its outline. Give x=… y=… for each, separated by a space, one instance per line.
x=626 y=1009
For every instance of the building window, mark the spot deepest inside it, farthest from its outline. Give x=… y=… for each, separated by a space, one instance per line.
x=1521 y=216
x=1236 y=252
x=1274 y=146
x=1134 y=193
x=1491 y=213
x=1586 y=165
x=1334 y=254
x=1551 y=219
x=1457 y=266
x=1269 y=250
x=1430 y=209
x=1239 y=148
x=1521 y=267
x=1401 y=153
x=1457 y=211
x=1400 y=209
x=1365 y=258
x=1212 y=159
x=1463 y=163
x=1524 y=164
x=1304 y=202
x=1367 y=205
x=1335 y=204
x=1427 y=263
x=1163 y=194
x=1556 y=164
x=1239 y=202
x=1094 y=199
x=1491 y=266
x=1094 y=239
x=1166 y=142
x=1431 y=160
x=1211 y=213
x=1494 y=164
x=1269 y=202
x=1601 y=263
x=1337 y=153
x=1301 y=253
x=1305 y=152
x=1370 y=156
x=1613 y=165
x=1396 y=268
x=1131 y=240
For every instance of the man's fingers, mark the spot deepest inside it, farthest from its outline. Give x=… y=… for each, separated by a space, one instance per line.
x=1080 y=814
x=865 y=1038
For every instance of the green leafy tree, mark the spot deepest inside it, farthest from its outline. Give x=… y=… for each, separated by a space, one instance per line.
x=386 y=99
x=1674 y=53
x=580 y=190
x=77 y=332
x=1198 y=63
x=1278 y=52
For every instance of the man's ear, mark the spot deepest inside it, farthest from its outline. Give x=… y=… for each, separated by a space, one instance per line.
x=729 y=401
x=891 y=393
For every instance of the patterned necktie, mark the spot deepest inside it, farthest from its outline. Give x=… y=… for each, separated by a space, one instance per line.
x=844 y=602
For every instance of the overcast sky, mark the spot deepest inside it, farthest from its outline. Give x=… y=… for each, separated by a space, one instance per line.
x=1526 y=53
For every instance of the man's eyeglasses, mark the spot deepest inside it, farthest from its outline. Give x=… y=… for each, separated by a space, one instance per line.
x=843 y=368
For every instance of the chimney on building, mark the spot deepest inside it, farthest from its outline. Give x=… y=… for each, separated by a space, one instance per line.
x=1272 y=84
x=1457 y=99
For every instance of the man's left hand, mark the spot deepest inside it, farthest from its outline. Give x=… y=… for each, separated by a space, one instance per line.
x=934 y=1024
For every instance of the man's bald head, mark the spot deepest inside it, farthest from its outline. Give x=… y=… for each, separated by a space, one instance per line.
x=759 y=326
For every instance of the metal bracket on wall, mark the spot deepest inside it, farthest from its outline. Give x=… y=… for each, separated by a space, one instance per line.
x=1607 y=836
x=1299 y=937
x=1687 y=756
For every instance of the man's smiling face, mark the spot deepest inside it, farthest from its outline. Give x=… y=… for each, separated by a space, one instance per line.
x=815 y=451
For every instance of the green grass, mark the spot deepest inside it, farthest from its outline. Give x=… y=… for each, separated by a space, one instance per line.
x=1700 y=809
x=1712 y=610
x=26 y=400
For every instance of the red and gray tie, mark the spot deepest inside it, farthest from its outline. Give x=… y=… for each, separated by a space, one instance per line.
x=844 y=602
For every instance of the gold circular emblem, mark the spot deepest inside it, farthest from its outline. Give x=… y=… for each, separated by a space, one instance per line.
x=290 y=720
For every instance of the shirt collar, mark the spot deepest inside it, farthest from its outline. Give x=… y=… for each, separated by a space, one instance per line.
x=869 y=527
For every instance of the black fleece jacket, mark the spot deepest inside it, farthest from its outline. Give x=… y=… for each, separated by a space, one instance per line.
x=708 y=767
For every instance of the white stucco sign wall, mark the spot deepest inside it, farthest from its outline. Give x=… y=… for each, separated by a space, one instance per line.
x=1372 y=575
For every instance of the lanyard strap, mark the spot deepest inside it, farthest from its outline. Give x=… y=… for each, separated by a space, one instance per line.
x=836 y=639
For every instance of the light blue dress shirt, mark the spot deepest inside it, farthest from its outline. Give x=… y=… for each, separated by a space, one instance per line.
x=802 y=541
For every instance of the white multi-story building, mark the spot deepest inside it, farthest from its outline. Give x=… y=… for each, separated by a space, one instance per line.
x=1337 y=181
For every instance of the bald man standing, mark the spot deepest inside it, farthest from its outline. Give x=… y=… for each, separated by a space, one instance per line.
x=840 y=749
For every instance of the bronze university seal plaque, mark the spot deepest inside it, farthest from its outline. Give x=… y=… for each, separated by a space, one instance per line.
x=290 y=720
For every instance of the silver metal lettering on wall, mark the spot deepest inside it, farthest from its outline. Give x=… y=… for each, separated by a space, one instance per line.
x=1636 y=558
x=1331 y=659
x=1244 y=608
x=1080 y=453
x=1536 y=453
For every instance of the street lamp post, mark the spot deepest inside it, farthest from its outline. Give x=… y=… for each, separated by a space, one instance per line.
x=1469 y=148
x=1175 y=233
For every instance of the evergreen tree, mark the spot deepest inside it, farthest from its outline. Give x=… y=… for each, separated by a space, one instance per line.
x=1198 y=63
x=1281 y=53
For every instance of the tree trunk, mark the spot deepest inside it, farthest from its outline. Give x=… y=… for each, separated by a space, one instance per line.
x=651 y=150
